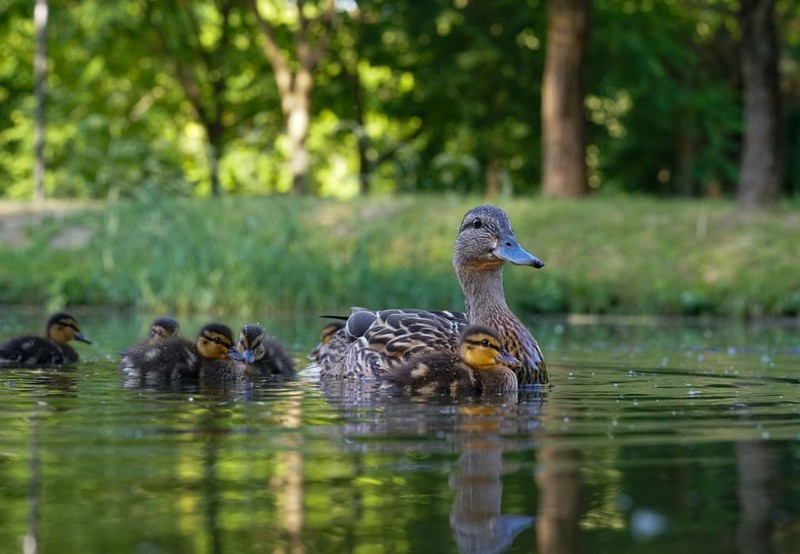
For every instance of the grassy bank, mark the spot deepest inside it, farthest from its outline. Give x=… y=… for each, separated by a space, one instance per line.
x=603 y=255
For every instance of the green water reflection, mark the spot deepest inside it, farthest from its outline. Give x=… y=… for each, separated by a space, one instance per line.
x=654 y=437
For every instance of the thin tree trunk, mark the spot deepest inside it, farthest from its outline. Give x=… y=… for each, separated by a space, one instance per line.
x=493 y=177
x=40 y=69
x=563 y=120
x=761 y=169
x=295 y=86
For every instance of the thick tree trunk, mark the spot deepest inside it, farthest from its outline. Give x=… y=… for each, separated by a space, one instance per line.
x=40 y=69
x=563 y=120
x=761 y=169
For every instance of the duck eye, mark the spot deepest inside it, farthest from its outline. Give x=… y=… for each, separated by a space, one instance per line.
x=217 y=340
x=477 y=223
x=485 y=343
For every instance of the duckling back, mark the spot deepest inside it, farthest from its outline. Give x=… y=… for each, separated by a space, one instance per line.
x=434 y=373
x=171 y=358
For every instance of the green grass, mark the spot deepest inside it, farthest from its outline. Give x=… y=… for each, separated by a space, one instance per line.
x=247 y=255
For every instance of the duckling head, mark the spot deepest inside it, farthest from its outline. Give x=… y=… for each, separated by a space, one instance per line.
x=481 y=348
x=62 y=328
x=486 y=240
x=251 y=343
x=215 y=342
x=327 y=332
x=162 y=328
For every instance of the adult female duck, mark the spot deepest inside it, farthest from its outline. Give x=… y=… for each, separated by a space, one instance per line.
x=372 y=342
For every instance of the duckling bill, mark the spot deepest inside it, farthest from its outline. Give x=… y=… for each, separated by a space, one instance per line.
x=50 y=351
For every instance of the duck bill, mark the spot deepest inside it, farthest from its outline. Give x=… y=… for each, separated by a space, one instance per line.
x=234 y=354
x=508 y=249
x=81 y=337
x=249 y=356
x=508 y=359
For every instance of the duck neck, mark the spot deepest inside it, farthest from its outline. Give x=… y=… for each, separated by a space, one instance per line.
x=483 y=293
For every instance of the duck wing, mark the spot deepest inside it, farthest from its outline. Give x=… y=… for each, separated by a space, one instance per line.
x=397 y=336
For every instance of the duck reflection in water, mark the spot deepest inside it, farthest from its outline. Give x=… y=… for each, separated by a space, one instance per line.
x=476 y=517
x=483 y=429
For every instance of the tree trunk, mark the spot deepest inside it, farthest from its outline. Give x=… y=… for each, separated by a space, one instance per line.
x=295 y=86
x=564 y=159
x=761 y=169
x=40 y=69
x=297 y=110
x=493 y=178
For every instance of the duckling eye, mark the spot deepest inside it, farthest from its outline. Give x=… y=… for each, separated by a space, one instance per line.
x=477 y=223
x=485 y=343
x=217 y=340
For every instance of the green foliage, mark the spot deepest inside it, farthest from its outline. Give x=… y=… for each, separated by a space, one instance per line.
x=257 y=255
x=144 y=95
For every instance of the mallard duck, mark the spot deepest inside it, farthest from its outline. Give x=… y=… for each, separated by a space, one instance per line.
x=262 y=354
x=54 y=350
x=212 y=356
x=485 y=242
x=481 y=366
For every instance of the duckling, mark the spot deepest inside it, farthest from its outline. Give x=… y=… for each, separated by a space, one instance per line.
x=480 y=367
x=484 y=243
x=220 y=361
x=263 y=355
x=162 y=328
x=325 y=335
x=31 y=350
x=212 y=356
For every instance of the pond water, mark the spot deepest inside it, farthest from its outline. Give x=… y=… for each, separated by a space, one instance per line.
x=654 y=436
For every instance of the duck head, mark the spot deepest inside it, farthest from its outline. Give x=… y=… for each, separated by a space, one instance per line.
x=482 y=348
x=162 y=328
x=251 y=343
x=215 y=342
x=486 y=240
x=62 y=328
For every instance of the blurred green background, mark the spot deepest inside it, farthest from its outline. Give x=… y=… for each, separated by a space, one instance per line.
x=203 y=155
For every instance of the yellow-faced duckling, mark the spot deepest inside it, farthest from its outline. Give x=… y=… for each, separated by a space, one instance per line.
x=54 y=350
x=485 y=242
x=480 y=367
x=212 y=356
x=263 y=354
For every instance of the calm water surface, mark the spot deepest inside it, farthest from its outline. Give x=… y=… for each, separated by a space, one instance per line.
x=654 y=436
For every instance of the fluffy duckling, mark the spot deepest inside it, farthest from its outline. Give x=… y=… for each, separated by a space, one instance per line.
x=262 y=354
x=212 y=356
x=31 y=350
x=162 y=328
x=480 y=367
